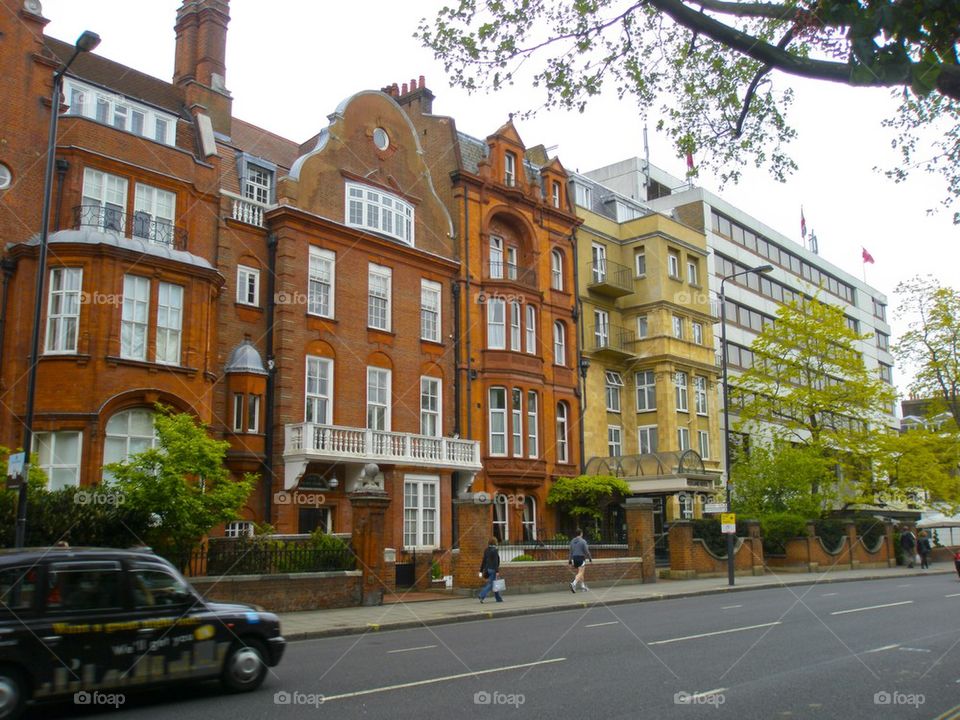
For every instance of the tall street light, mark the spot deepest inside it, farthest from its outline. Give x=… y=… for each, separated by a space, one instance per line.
x=85 y=43
x=726 y=401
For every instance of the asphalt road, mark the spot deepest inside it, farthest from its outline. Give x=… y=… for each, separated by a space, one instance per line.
x=872 y=649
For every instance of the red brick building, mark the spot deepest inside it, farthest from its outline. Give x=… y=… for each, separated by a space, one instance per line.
x=518 y=357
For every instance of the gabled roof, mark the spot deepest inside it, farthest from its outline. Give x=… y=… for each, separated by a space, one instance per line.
x=263 y=143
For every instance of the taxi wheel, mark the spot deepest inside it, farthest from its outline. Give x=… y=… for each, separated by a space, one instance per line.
x=245 y=666
x=13 y=692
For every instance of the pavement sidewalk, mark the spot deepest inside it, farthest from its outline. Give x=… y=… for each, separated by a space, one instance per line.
x=401 y=615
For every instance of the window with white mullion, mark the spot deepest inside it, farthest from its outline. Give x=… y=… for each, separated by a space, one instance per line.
x=680 y=385
x=153 y=214
x=683 y=438
x=700 y=394
x=58 y=454
x=501 y=524
x=556 y=270
x=646 y=390
x=647 y=439
x=496 y=322
x=382 y=212
x=430 y=310
x=258 y=184
x=430 y=404
x=498 y=421
x=318 y=405
x=320 y=282
x=531 y=330
x=515 y=326
x=703 y=438
x=559 y=343
x=614 y=382
x=248 y=285
x=614 y=440
x=63 y=309
x=562 y=433
x=421 y=509
x=104 y=200
x=169 y=323
x=496 y=257
x=378 y=398
x=533 y=425
x=119 y=112
x=135 y=317
x=378 y=305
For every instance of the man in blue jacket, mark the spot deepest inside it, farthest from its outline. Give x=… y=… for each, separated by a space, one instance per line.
x=489 y=568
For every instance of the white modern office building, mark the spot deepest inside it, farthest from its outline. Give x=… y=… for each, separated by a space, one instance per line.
x=738 y=241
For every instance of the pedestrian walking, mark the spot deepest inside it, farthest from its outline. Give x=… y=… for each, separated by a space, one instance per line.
x=579 y=554
x=908 y=544
x=490 y=569
x=924 y=549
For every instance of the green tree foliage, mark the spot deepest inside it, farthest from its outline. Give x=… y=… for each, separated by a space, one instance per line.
x=782 y=479
x=931 y=345
x=922 y=460
x=711 y=67
x=182 y=483
x=585 y=496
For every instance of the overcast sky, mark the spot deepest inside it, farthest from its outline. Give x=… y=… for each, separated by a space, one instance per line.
x=291 y=62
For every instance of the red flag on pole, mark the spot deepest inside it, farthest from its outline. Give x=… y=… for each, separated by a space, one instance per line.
x=803 y=224
x=689 y=162
x=867 y=257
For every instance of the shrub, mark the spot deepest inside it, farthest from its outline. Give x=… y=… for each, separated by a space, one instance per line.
x=777 y=528
x=560 y=537
x=436 y=572
x=831 y=533
x=523 y=558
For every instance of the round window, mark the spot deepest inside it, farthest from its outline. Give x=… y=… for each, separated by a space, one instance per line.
x=5 y=177
x=381 y=139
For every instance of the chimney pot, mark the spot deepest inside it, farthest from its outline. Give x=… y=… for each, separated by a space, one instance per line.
x=423 y=83
x=413 y=84
x=404 y=89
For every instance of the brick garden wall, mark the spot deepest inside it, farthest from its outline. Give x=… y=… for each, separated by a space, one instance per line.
x=286 y=593
x=524 y=577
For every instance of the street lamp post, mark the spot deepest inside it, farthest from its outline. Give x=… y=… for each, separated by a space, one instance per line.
x=726 y=401
x=85 y=43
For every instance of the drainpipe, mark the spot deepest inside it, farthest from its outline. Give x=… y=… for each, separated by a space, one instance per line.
x=62 y=167
x=8 y=266
x=578 y=317
x=466 y=308
x=271 y=380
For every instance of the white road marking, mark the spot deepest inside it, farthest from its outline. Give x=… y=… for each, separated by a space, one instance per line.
x=612 y=622
x=730 y=607
x=422 y=647
x=706 y=693
x=829 y=594
x=711 y=634
x=953 y=595
x=885 y=647
x=871 y=607
x=432 y=681
x=906 y=649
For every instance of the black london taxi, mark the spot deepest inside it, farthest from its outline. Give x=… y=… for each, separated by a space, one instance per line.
x=76 y=621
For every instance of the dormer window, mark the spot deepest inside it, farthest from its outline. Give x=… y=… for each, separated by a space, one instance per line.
x=258 y=184
x=381 y=212
x=556 y=194
x=110 y=108
x=509 y=169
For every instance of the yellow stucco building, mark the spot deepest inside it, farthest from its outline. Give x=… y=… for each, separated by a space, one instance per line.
x=651 y=407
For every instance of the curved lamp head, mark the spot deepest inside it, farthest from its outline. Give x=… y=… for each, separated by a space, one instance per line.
x=87 y=41
x=762 y=268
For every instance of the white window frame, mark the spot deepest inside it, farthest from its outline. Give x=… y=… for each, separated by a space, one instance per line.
x=253 y=413
x=497 y=431
x=160 y=206
x=431 y=406
x=108 y=193
x=681 y=392
x=510 y=169
x=430 y=311
x=559 y=343
x=376 y=210
x=513 y=268
x=64 y=300
x=697 y=331
x=643 y=326
x=515 y=329
x=598 y=264
x=555 y=192
x=703 y=442
x=248 y=285
x=239 y=413
x=135 y=317
x=321 y=280
x=317 y=399
x=556 y=270
x=238 y=528
x=646 y=389
x=258 y=183
x=379 y=400
x=531 y=330
x=612 y=390
x=563 y=429
x=677 y=322
x=700 y=394
x=683 y=439
x=601 y=328
x=583 y=195
x=516 y=421
x=693 y=272
x=673 y=264
x=528 y=520
x=614 y=440
x=169 y=323
x=640 y=263
x=376 y=296
x=496 y=324
x=533 y=424
x=501 y=518
x=54 y=465
x=85 y=99
x=148 y=441
x=496 y=257
x=421 y=523
x=647 y=439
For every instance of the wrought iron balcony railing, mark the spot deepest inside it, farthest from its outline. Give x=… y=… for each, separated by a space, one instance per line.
x=141 y=225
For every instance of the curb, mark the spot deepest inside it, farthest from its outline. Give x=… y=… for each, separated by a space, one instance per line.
x=581 y=604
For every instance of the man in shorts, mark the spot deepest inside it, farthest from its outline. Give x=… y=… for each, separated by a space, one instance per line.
x=579 y=554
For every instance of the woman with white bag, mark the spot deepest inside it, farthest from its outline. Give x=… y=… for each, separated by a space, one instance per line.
x=490 y=569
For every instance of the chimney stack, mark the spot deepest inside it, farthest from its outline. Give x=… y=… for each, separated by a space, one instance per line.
x=200 y=60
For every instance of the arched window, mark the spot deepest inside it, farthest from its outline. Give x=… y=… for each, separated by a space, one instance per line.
x=127 y=433
x=563 y=455
x=529 y=518
x=559 y=343
x=501 y=526
x=556 y=270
